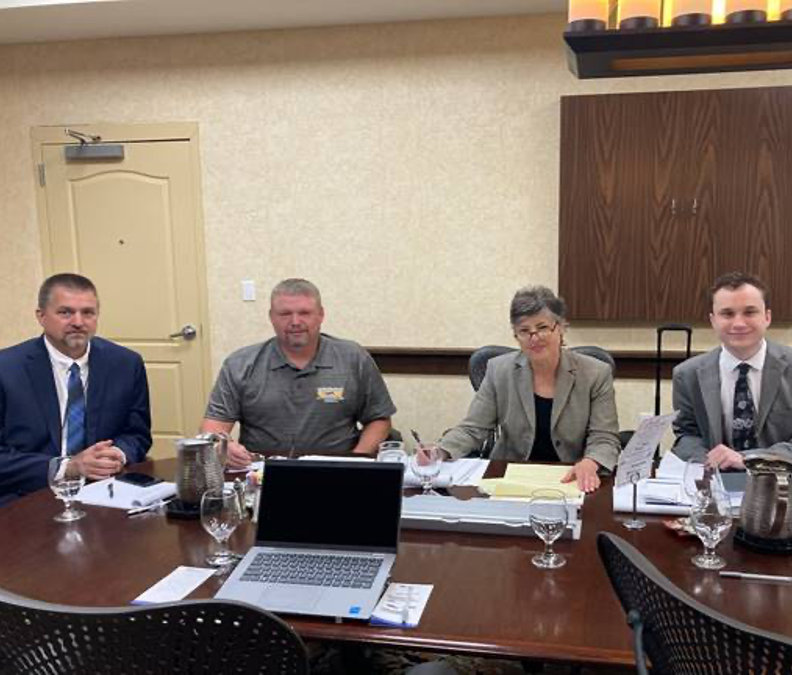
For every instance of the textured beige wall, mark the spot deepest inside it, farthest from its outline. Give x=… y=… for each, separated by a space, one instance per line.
x=410 y=170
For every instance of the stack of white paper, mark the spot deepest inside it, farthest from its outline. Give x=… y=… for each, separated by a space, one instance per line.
x=664 y=494
x=125 y=495
x=457 y=473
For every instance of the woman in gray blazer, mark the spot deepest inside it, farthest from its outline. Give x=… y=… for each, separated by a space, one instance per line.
x=551 y=405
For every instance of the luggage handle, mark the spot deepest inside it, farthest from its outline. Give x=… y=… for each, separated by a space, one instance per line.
x=668 y=328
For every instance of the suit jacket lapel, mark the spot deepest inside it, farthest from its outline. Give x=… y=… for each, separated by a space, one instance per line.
x=709 y=382
x=523 y=377
x=772 y=374
x=97 y=382
x=39 y=369
x=564 y=383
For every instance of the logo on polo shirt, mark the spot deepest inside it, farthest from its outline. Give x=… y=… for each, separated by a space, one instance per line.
x=330 y=394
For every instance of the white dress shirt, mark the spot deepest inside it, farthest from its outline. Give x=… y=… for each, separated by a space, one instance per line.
x=60 y=372
x=728 y=378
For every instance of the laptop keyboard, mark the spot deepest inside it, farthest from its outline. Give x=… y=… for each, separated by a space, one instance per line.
x=338 y=571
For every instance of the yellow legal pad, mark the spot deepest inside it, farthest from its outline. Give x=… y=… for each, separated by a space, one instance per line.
x=522 y=480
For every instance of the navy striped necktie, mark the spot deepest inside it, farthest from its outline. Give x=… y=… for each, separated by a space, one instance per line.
x=75 y=412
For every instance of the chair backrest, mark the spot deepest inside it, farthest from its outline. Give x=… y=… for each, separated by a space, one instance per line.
x=477 y=365
x=597 y=353
x=679 y=634
x=198 y=636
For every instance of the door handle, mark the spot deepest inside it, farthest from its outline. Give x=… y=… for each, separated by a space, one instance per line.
x=188 y=332
x=694 y=208
x=673 y=207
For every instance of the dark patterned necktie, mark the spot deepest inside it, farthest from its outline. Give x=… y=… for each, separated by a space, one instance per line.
x=743 y=422
x=75 y=412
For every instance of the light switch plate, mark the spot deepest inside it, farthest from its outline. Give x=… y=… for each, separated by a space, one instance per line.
x=248 y=290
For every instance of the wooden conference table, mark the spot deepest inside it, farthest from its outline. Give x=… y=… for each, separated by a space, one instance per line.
x=488 y=598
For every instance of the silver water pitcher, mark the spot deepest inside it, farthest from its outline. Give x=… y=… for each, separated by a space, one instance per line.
x=766 y=514
x=200 y=466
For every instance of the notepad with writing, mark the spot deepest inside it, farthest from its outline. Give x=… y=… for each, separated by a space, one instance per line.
x=124 y=495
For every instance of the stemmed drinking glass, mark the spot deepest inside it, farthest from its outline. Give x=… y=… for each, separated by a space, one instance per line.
x=711 y=519
x=426 y=464
x=66 y=484
x=548 y=517
x=698 y=478
x=220 y=515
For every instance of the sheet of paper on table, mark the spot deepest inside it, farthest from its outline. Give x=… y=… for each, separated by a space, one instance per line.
x=124 y=495
x=521 y=480
x=176 y=586
x=461 y=472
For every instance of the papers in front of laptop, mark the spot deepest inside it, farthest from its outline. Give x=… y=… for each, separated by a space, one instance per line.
x=483 y=516
x=125 y=495
x=401 y=605
x=521 y=480
x=461 y=472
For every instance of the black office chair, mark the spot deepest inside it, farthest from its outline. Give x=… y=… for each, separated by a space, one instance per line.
x=477 y=365
x=679 y=634
x=189 y=637
x=598 y=353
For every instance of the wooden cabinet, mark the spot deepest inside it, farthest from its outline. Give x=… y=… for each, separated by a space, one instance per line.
x=661 y=193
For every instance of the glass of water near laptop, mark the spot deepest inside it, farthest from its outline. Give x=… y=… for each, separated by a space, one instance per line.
x=392 y=451
x=220 y=516
x=710 y=511
x=426 y=463
x=548 y=516
x=66 y=483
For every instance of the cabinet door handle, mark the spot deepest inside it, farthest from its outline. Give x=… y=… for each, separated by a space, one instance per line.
x=673 y=207
x=694 y=210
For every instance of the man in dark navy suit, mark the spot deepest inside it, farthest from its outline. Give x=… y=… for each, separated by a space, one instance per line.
x=69 y=393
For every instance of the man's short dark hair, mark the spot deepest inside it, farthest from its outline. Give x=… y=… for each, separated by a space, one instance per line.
x=74 y=282
x=734 y=280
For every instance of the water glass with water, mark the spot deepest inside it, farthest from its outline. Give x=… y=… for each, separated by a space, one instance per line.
x=66 y=482
x=548 y=517
x=426 y=464
x=711 y=519
x=220 y=516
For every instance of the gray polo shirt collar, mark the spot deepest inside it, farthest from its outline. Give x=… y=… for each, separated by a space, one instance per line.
x=321 y=360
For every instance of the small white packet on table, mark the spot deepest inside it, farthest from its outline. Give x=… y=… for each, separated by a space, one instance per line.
x=402 y=605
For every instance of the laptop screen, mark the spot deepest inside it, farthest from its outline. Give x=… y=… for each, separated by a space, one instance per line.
x=331 y=504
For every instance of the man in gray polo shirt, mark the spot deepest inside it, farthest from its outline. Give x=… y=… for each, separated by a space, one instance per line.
x=301 y=390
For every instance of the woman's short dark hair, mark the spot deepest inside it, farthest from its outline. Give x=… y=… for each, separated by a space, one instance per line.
x=531 y=300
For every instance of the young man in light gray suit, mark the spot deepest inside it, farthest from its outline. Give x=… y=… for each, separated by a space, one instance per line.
x=737 y=397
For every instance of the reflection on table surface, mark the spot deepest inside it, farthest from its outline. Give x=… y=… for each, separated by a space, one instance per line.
x=488 y=598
